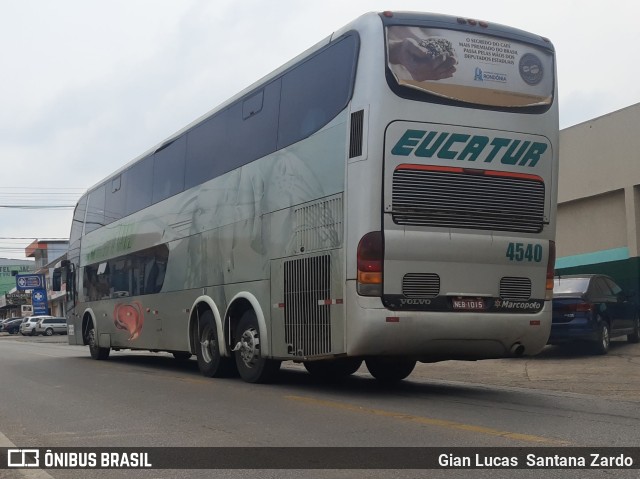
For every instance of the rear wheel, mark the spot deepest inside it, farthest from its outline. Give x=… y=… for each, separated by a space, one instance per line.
x=601 y=346
x=210 y=362
x=96 y=351
x=334 y=369
x=48 y=332
x=634 y=337
x=253 y=368
x=390 y=370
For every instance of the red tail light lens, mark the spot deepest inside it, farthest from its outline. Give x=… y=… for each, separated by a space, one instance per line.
x=576 y=308
x=551 y=265
x=370 y=258
x=583 y=307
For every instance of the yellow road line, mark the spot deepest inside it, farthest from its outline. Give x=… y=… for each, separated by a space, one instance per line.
x=429 y=421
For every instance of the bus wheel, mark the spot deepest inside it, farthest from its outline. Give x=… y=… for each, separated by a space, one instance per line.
x=96 y=351
x=253 y=368
x=390 y=370
x=334 y=369
x=210 y=363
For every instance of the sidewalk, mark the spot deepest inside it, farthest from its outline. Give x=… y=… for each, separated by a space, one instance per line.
x=557 y=368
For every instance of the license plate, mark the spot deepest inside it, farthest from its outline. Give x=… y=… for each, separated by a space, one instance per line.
x=469 y=304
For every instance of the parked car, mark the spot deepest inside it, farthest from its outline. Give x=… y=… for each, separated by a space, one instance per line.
x=12 y=325
x=28 y=325
x=51 y=326
x=592 y=308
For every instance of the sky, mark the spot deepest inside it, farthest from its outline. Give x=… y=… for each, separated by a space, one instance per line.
x=88 y=85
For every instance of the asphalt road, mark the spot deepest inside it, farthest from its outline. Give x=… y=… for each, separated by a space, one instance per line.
x=54 y=395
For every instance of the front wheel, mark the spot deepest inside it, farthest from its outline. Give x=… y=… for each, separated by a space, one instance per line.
x=96 y=351
x=210 y=362
x=390 y=370
x=253 y=368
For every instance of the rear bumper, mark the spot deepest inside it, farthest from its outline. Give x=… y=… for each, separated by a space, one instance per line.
x=582 y=331
x=373 y=330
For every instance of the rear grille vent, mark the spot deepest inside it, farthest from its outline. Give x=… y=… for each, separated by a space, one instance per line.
x=515 y=289
x=307 y=319
x=357 y=129
x=421 y=285
x=423 y=197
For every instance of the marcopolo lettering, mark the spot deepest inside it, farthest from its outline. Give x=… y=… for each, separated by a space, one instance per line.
x=463 y=147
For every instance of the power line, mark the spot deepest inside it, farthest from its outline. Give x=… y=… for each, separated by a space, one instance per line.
x=38 y=207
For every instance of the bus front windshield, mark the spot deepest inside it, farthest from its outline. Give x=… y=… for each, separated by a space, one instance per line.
x=473 y=68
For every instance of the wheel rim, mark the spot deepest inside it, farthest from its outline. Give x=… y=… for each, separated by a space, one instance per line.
x=208 y=345
x=250 y=347
x=605 y=336
x=92 y=338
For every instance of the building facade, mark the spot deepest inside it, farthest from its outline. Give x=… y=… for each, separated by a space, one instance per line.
x=598 y=229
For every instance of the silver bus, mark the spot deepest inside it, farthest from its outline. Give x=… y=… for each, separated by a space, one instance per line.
x=388 y=196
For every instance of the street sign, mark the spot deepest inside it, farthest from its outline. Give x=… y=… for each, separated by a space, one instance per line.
x=39 y=301
x=30 y=281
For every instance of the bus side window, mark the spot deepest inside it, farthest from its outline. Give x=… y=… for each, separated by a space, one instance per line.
x=139 y=185
x=314 y=92
x=95 y=210
x=115 y=201
x=78 y=220
x=168 y=170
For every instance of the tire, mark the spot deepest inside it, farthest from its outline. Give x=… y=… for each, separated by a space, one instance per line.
x=210 y=363
x=334 y=369
x=96 y=351
x=390 y=370
x=253 y=368
x=635 y=336
x=33 y=332
x=48 y=332
x=601 y=346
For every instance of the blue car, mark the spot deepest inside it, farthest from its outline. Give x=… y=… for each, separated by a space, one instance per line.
x=592 y=308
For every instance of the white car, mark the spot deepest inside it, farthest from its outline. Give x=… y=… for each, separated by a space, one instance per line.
x=28 y=325
x=51 y=326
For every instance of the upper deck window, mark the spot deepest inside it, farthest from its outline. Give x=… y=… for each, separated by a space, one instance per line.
x=470 y=67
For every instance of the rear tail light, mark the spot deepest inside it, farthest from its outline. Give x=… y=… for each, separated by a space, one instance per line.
x=370 y=257
x=576 y=308
x=551 y=264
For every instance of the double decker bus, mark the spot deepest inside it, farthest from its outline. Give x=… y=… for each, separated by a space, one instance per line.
x=389 y=196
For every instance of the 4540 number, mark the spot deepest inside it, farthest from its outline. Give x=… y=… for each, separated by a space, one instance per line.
x=524 y=252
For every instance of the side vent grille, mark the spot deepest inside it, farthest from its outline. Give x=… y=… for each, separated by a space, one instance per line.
x=355 y=139
x=307 y=319
x=421 y=285
x=319 y=225
x=515 y=289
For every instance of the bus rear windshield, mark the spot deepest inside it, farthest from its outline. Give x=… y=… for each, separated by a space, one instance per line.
x=472 y=68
